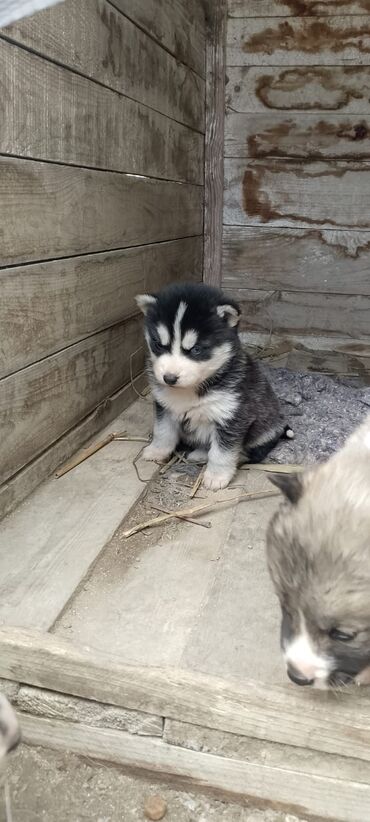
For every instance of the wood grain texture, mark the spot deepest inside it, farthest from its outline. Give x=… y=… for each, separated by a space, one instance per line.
x=52 y=705
x=296 y=8
x=46 y=563
x=47 y=306
x=305 y=313
x=328 y=798
x=214 y=144
x=287 y=193
x=287 y=259
x=95 y=39
x=299 y=136
x=14 y=490
x=299 y=41
x=50 y=113
x=42 y=402
x=56 y=211
x=339 y=724
x=177 y=25
x=331 y=89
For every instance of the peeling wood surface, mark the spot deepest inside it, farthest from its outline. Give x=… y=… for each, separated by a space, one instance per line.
x=42 y=402
x=54 y=211
x=299 y=40
x=177 y=25
x=291 y=259
x=302 y=136
x=314 y=89
x=296 y=8
x=329 y=798
x=304 y=312
x=46 y=306
x=286 y=193
x=96 y=40
x=50 y=113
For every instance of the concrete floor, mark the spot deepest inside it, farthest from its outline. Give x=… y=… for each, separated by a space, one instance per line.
x=46 y=786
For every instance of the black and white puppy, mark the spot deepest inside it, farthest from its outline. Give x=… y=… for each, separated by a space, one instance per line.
x=209 y=394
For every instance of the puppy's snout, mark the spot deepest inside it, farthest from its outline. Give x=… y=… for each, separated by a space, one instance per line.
x=170 y=379
x=298 y=678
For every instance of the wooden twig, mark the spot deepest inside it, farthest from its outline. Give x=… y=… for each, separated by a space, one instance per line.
x=169 y=464
x=197 y=483
x=118 y=438
x=273 y=467
x=181 y=516
x=84 y=455
x=196 y=509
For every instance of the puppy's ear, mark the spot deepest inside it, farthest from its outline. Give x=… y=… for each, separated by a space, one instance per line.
x=144 y=301
x=291 y=485
x=230 y=312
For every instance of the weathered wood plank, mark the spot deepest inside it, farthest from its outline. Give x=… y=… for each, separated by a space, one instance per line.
x=14 y=490
x=338 y=723
x=305 y=312
x=178 y=25
x=296 y=8
x=46 y=306
x=300 y=136
x=45 y=400
x=309 y=794
x=56 y=211
x=41 y=117
x=296 y=259
x=95 y=39
x=287 y=193
x=299 y=41
x=214 y=145
x=49 y=562
x=332 y=89
x=52 y=705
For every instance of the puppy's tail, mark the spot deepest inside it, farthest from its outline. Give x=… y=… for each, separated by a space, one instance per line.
x=288 y=433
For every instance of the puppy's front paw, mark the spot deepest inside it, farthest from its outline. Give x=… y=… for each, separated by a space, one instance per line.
x=216 y=480
x=154 y=454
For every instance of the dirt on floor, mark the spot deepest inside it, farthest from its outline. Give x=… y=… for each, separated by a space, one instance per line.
x=47 y=786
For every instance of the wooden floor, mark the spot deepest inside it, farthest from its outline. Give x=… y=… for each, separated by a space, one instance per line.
x=160 y=651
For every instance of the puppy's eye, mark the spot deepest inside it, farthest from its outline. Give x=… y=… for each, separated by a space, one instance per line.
x=341 y=636
x=196 y=349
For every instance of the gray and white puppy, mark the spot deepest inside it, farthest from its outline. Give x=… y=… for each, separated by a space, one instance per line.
x=209 y=394
x=318 y=551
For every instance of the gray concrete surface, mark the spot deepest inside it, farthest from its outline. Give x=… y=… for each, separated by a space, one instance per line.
x=46 y=786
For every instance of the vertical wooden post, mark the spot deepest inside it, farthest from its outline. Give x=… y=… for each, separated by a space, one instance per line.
x=214 y=141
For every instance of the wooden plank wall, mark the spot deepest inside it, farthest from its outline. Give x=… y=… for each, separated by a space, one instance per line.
x=296 y=242
x=101 y=197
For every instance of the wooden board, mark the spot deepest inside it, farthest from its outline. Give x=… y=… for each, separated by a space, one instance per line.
x=55 y=211
x=299 y=41
x=14 y=490
x=309 y=794
x=41 y=118
x=178 y=25
x=299 y=136
x=52 y=545
x=332 y=89
x=296 y=8
x=305 y=313
x=296 y=259
x=337 y=723
x=42 y=402
x=96 y=40
x=46 y=306
x=287 y=193
x=214 y=145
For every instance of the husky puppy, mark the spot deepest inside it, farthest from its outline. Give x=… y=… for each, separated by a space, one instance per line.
x=209 y=394
x=318 y=551
x=9 y=728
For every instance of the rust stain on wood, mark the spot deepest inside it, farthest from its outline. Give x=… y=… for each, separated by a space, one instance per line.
x=331 y=92
x=309 y=37
x=302 y=8
x=309 y=142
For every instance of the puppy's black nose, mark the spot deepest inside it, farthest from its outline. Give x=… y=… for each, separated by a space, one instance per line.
x=170 y=379
x=297 y=678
